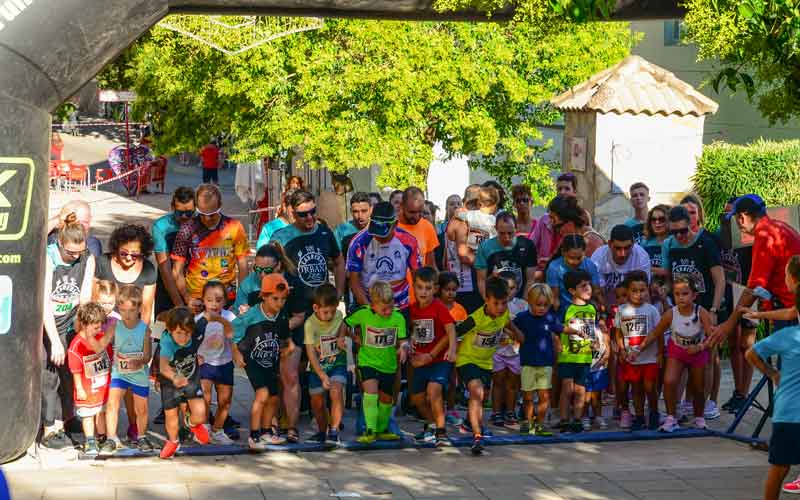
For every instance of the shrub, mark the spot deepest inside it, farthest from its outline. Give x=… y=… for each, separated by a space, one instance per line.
x=768 y=168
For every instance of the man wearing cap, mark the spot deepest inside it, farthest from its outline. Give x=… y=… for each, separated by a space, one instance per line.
x=383 y=252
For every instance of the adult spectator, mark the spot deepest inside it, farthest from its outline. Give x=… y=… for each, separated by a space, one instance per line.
x=567 y=217
x=68 y=282
x=616 y=259
x=210 y=247
x=209 y=159
x=451 y=205
x=697 y=215
x=396 y=199
x=640 y=198
x=83 y=214
x=164 y=231
x=383 y=252
x=526 y=223
x=429 y=213
x=411 y=221
x=375 y=198
x=656 y=232
x=127 y=263
x=283 y=217
x=360 y=209
x=546 y=236
x=506 y=252
x=295 y=183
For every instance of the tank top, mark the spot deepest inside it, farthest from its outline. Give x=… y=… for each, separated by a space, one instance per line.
x=129 y=346
x=465 y=273
x=686 y=330
x=65 y=293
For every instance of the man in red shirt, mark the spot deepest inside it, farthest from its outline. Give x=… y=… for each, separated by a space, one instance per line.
x=209 y=157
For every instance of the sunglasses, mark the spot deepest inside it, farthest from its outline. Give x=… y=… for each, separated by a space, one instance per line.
x=307 y=213
x=658 y=219
x=184 y=213
x=134 y=256
x=263 y=270
x=72 y=254
x=522 y=200
x=210 y=214
x=682 y=231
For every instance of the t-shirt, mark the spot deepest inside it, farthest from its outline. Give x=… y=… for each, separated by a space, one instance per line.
x=575 y=348
x=695 y=261
x=556 y=271
x=210 y=254
x=428 y=327
x=518 y=258
x=458 y=312
x=537 y=350
x=259 y=337
x=65 y=293
x=635 y=323
x=215 y=348
x=774 y=244
x=425 y=233
x=637 y=227
x=104 y=271
x=164 y=231
x=129 y=346
x=268 y=230
x=182 y=357
x=344 y=233
x=480 y=335
x=95 y=371
x=94 y=245
x=653 y=248
x=786 y=344
x=379 y=337
x=210 y=156
x=612 y=274
x=545 y=237
x=390 y=262
x=323 y=336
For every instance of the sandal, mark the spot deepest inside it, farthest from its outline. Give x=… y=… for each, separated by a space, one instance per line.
x=292 y=436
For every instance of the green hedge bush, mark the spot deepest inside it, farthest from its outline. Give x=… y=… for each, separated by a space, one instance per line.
x=770 y=169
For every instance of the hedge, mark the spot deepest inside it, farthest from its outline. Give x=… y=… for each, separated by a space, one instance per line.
x=770 y=169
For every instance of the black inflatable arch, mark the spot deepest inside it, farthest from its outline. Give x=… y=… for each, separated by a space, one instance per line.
x=48 y=50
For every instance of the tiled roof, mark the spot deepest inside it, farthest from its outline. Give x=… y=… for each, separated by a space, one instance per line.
x=636 y=86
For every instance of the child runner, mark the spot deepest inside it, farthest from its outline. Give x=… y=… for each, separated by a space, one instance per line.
x=635 y=319
x=261 y=336
x=89 y=361
x=105 y=294
x=130 y=370
x=433 y=337
x=541 y=329
x=599 y=377
x=448 y=289
x=325 y=334
x=575 y=358
x=505 y=363
x=216 y=370
x=480 y=333
x=382 y=328
x=179 y=378
x=687 y=350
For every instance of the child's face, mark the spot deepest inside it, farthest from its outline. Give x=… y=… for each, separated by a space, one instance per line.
x=128 y=311
x=274 y=302
x=540 y=306
x=107 y=301
x=324 y=313
x=92 y=329
x=512 y=288
x=621 y=294
x=583 y=291
x=384 y=310
x=424 y=291
x=448 y=293
x=684 y=296
x=637 y=293
x=214 y=300
x=181 y=336
x=656 y=291
x=496 y=307
x=573 y=257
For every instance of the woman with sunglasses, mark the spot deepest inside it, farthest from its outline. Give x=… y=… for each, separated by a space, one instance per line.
x=270 y=259
x=526 y=223
x=656 y=232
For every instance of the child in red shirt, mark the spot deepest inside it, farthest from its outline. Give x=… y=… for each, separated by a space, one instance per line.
x=89 y=360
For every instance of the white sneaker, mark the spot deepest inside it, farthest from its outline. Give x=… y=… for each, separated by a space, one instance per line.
x=669 y=425
x=601 y=423
x=587 y=424
x=256 y=444
x=271 y=438
x=711 y=411
x=700 y=423
x=219 y=437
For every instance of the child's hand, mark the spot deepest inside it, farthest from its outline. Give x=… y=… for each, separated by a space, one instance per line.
x=341 y=343
x=633 y=356
x=57 y=353
x=80 y=394
x=238 y=359
x=326 y=382
x=402 y=353
x=451 y=354
x=200 y=360
x=180 y=381
x=243 y=308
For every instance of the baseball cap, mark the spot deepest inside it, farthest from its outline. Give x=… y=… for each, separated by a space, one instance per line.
x=382 y=220
x=274 y=283
x=747 y=203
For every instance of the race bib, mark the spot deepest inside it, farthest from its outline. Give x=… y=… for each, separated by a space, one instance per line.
x=96 y=365
x=328 y=346
x=380 y=337
x=129 y=363
x=423 y=331
x=688 y=341
x=487 y=340
x=634 y=331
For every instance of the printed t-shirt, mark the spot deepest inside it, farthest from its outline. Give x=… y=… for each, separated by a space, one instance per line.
x=494 y=259
x=774 y=244
x=215 y=348
x=428 y=327
x=556 y=271
x=65 y=293
x=94 y=369
x=653 y=249
x=323 y=336
x=390 y=262
x=786 y=344
x=129 y=345
x=574 y=348
x=425 y=233
x=637 y=227
x=379 y=336
x=537 y=350
x=259 y=336
x=182 y=357
x=268 y=230
x=104 y=271
x=611 y=274
x=164 y=231
x=209 y=155
x=635 y=323
x=210 y=254
x=695 y=261
x=480 y=335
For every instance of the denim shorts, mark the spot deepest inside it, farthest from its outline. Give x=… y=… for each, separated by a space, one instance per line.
x=597 y=381
x=121 y=383
x=222 y=374
x=437 y=373
x=336 y=373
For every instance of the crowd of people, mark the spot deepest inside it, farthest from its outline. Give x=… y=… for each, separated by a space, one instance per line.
x=542 y=320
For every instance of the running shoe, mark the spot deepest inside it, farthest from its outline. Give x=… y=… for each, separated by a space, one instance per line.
x=563 y=426
x=738 y=404
x=653 y=420
x=367 y=438
x=200 y=433
x=427 y=434
x=466 y=427
x=477 y=445
x=539 y=430
x=638 y=423
x=169 y=449
x=270 y=437
x=256 y=444
x=108 y=447
x=601 y=423
x=453 y=418
x=575 y=427
x=497 y=419
x=441 y=437
x=711 y=411
x=318 y=437
x=793 y=487
x=144 y=445
x=626 y=420
x=700 y=423
x=586 y=423
x=729 y=404
x=669 y=425
x=333 y=435
x=387 y=436
x=219 y=437
x=232 y=433
x=90 y=448
x=159 y=419
x=231 y=422
x=56 y=441
x=511 y=419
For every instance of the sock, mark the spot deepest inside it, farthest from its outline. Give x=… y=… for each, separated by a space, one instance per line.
x=370 y=404
x=384 y=414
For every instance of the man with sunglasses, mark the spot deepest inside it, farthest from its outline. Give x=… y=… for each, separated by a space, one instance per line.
x=640 y=197
x=164 y=231
x=616 y=259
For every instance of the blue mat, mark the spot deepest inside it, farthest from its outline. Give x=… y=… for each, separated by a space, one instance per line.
x=213 y=450
x=583 y=437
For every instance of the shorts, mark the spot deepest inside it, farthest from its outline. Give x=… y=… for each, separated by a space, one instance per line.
x=470 y=301
x=337 y=373
x=172 y=397
x=222 y=374
x=88 y=412
x=500 y=363
x=210 y=175
x=784 y=444
x=436 y=373
x=597 y=381
x=469 y=372
x=537 y=378
x=575 y=371
x=677 y=352
x=385 y=380
x=263 y=378
x=638 y=373
x=138 y=390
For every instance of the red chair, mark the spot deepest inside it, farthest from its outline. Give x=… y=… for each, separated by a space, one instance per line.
x=78 y=175
x=144 y=179
x=158 y=173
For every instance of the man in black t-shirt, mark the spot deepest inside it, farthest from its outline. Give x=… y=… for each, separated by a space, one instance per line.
x=506 y=252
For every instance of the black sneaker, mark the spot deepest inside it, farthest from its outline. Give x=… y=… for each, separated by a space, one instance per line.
x=564 y=426
x=511 y=419
x=232 y=422
x=333 y=435
x=144 y=444
x=497 y=419
x=159 y=419
x=319 y=437
x=477 y=446
x=575 y=427
x=638 y=423
x=90 y=448
x=653 y=421
x=738 y=403
x=730 y=403
x=56 y=441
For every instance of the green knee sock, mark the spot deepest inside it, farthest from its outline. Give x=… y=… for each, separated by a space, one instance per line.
x=384 y=414
x=370 y=404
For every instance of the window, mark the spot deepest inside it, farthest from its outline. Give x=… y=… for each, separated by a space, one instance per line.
x=674 y=32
